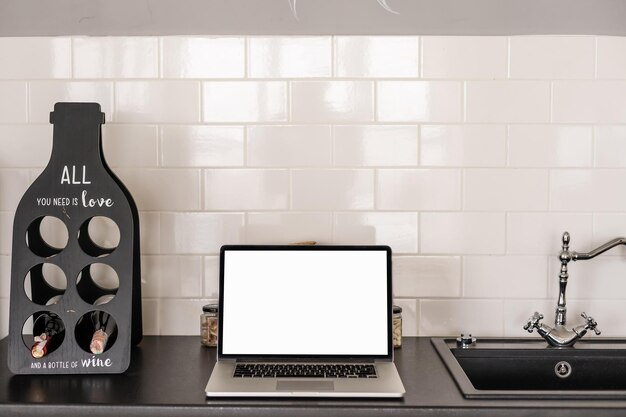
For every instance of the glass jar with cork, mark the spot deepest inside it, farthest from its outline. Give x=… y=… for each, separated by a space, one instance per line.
x=209 y=325
x=397 y=326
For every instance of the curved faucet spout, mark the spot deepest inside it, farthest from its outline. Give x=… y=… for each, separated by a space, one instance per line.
x=581 y=256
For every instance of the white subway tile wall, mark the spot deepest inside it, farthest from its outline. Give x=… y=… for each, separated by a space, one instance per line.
x=463 y=145
x=289 y=146
x=157 y=101
x=537 y=233
x=604 y=225
x=13 y=102
x=376 y=56
x=505 y=189
x=589 y=101
x=43 y=94
x=550 y=146
x=201 y=146
x=469 y=156
x=332 y=101
x=5 y=268
x=6 y=235
x=36 y=58
x=18 y=141
x=552 y=57
x=243 y=101
x=396 y=229
x=202 y=57
x=419 y=101
x=289 y=57
x=282 y=227
x=112 y=57
x=611 y=56
x=211 y=276
x=246 y=189
x=418 y=189
x=375 y=146
x=332 y=189
x=610 y=146
x=158 y=271
x=132 y=146
x=507 y=101
x=465 y=57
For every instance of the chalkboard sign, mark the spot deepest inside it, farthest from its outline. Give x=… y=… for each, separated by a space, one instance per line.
x=75 y=300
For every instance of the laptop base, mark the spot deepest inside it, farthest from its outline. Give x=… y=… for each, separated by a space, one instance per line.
x=223 y=384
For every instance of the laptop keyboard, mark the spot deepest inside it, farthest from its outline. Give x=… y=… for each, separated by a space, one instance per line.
x=303 y=370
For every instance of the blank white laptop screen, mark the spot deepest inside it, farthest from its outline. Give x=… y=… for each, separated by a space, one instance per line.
x=305 y=302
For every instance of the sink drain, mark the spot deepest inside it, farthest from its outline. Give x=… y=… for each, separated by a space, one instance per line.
x=563 y=369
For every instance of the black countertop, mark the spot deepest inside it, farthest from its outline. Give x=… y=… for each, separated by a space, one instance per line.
x=168 y=374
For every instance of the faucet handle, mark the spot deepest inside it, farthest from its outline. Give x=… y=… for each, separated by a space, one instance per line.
x=591 y=323
x=533 y=322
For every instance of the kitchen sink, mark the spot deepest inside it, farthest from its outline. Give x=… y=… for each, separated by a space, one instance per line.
x=522 y=368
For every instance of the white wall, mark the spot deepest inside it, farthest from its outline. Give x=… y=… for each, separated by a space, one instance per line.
x=468 y=155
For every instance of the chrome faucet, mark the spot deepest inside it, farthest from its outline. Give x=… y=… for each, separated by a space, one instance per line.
x=560 y=335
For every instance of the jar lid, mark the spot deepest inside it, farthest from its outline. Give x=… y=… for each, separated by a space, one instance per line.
x=210 y=308
x=397 y=309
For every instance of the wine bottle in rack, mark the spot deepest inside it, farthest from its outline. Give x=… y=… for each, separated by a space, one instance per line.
x=104 y=327
x=48 y=332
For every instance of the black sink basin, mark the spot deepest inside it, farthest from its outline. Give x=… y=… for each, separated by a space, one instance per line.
x=522 y=368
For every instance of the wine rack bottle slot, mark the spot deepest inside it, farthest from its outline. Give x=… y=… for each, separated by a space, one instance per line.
x=96 y=332
x=104 y=232
x=88 y=245
x=44 y=282
x=47 y=334
x=36 y=242
x=75 y=267
x=95 y=281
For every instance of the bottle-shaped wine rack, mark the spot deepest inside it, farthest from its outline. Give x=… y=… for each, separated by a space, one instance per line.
x=61 y=288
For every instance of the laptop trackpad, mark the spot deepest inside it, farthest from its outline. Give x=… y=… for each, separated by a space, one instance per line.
x=305 y=386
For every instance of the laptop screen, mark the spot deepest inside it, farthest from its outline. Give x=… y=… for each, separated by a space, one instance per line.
x=281 y=301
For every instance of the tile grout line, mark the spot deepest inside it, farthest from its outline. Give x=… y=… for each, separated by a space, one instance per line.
x=159 y=147
x=201 y=100
x=375 y=106
x=507 y=146
x=418 y=225
x=595 y=57
x=462 y=184
x=246 y=58
x=72 y=69
x=290 y=208
x=464 y=101
x=202 y=192
x=28 y=102
x=508 y=57
x=462 y=277
x=159 y=57
x=551 y=101
x=594 y=143
x=333 y=57
x=375 y=190
x=420 y=58
x=418 y=140
x=203 y=275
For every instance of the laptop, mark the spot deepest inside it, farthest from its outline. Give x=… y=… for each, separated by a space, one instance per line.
x=305 y=321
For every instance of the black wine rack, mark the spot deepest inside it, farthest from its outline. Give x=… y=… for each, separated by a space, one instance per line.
x=76 y=187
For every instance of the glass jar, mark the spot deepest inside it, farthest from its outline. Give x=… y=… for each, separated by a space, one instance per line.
x=397 y=326
x=209 y=325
